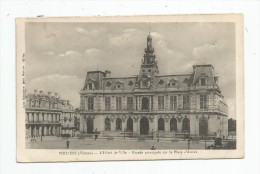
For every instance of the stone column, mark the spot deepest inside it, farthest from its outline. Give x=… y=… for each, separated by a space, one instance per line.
x=139 y=103
x=34 y=131
x=101 y=123
x=167 y=125
x=113 y=125
x=135 y=126
x=138 y=126
x=45 y=130
x=40 y=130
x=30 y=131
x=124 y=125
x=149 y=102
x=179 y=126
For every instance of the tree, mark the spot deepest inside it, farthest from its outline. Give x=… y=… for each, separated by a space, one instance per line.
x=231 y=125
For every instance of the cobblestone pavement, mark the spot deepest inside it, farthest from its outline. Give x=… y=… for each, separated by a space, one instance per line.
x=127 y=144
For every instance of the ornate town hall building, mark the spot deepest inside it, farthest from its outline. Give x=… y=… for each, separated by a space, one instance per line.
x=149 y=103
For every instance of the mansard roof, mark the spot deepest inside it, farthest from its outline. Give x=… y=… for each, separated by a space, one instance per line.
x=47 y=98
x=206 y=71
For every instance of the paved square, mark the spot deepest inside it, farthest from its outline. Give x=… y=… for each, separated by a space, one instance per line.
x=75 y=143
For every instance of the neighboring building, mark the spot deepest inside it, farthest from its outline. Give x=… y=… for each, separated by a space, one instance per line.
x=45 y=114
x=67 y=118
x=189 y=103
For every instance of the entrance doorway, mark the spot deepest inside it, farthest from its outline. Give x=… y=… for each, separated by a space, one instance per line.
x=90 y=125
x=161 y=124
x=145 y=103
x=144 y=126
x=118 y=124
x=129 y=124
x=203 y=127
x=173 y=124
x=186 y=125
x=107 y=124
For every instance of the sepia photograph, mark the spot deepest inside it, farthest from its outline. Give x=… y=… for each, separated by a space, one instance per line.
x=130 y=88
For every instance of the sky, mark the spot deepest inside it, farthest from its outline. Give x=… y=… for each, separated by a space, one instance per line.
x=59 y=55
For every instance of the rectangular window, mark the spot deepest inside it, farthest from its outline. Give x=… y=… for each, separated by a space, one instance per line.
x=161 y=102
x=203 y=81
x=107 y=103
x=203 y=101
x=90 y=103
x=90 y=86
x=130 y=103
x=118 y=103
x=186 y=102
x=173 y=102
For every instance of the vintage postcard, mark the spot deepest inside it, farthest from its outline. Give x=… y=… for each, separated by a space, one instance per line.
x=130 y=88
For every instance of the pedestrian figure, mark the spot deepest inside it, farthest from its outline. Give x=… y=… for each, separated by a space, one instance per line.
x=68 y=144
x=153 y=148
x=41 y=137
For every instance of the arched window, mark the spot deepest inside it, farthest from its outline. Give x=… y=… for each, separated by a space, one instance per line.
x=161 y=124
x=118 y=124
x=186 y=125
x=129 y=124
x=173 y=124
x=107 y=124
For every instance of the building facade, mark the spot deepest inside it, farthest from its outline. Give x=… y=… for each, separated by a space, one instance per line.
x=151 y=103
x=45 y=114
x=68 y=118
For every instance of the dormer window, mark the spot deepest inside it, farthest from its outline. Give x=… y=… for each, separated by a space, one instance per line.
x=90 y=86
x=202 y=81
x=108 y=83
x=216 y=80
x=161 y=82
x=118 y=86
x=130 y=83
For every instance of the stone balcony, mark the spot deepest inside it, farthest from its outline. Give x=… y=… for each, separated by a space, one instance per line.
x=154 y=111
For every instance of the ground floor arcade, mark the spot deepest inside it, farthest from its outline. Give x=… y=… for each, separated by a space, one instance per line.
x=35 y=130
x=145 y=124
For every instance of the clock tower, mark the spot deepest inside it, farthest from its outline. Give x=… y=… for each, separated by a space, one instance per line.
x=149 y=68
